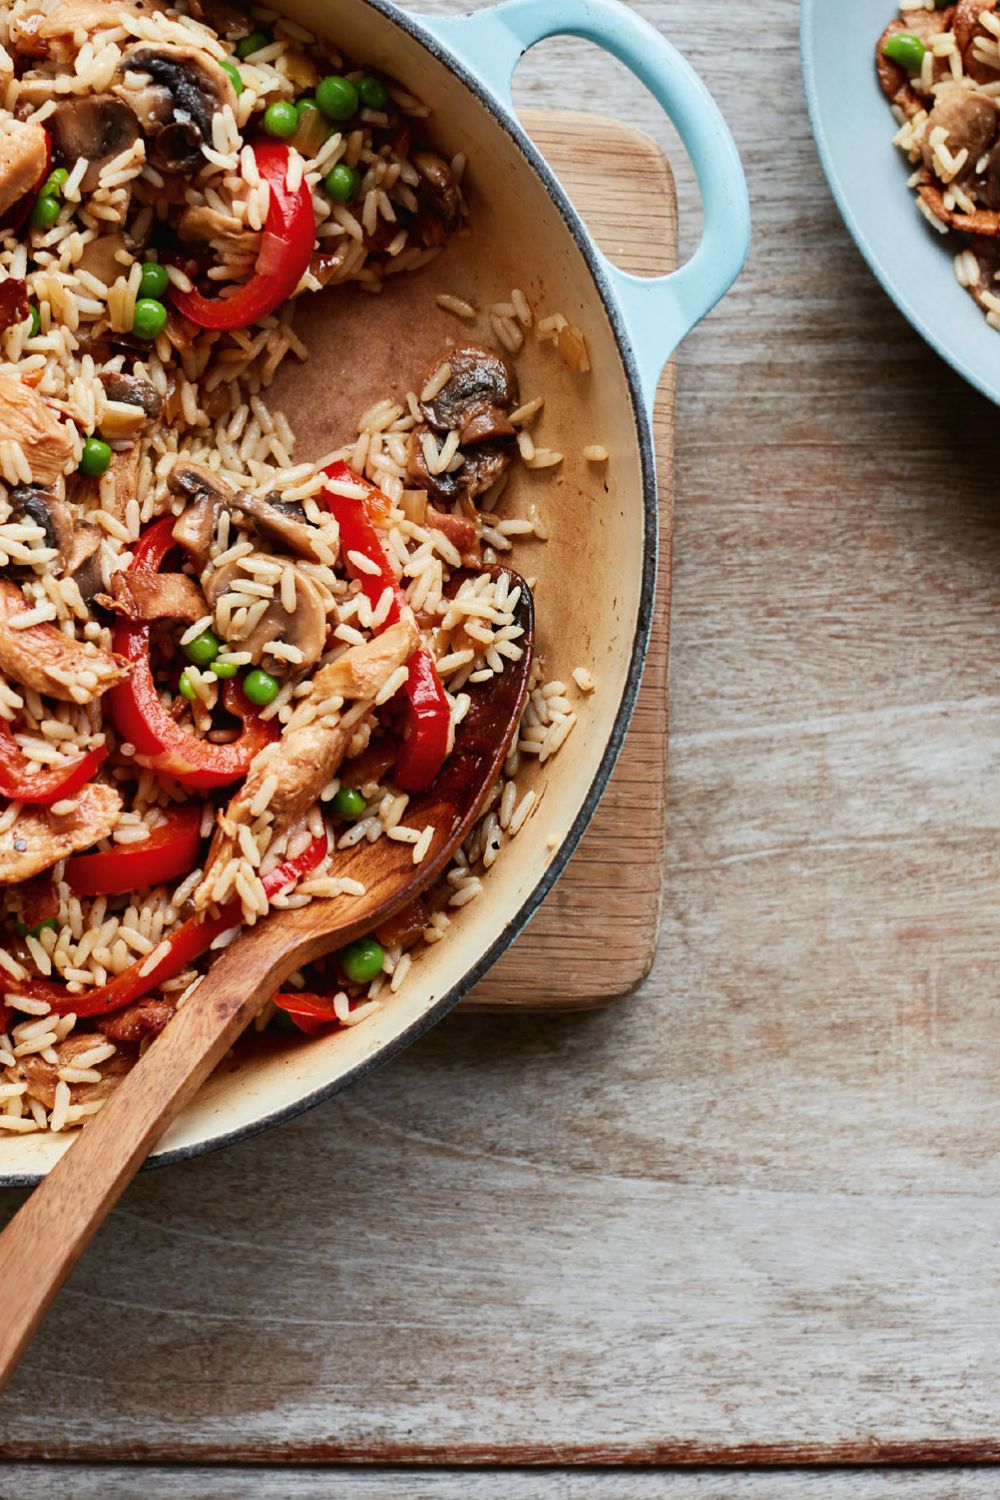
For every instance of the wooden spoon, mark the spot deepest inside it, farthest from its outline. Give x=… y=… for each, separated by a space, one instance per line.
x=43 y=1241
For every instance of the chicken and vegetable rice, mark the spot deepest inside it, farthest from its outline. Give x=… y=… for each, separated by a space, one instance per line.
x=939 y=67
x=220 y=667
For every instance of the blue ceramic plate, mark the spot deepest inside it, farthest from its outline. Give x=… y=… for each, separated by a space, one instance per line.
x=854 y=127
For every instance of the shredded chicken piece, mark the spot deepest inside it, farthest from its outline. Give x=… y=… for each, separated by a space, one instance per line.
x=313 y=744
x=84 y=17
x=38 y=839
x=26 y=417
x=167 y=596
x=41 y=657
x=145 y=1018
x=23 y=154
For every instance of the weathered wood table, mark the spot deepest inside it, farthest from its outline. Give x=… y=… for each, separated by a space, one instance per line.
x=752 y=1215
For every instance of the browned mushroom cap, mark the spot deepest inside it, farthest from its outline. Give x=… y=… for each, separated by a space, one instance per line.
x=76 y=543
x=207 y=498
x=303 y=627
x=284 y=522
x=482 y=465
x=197 y=88
x=969 y=120
x=131 y=391
x=438 y=190
x=475 y=399
x=98 y=127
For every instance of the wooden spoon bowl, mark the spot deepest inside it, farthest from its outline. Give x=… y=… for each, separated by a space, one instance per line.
x=45 y=1238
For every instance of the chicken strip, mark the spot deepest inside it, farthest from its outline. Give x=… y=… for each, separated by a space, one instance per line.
x=313 y=744
x=23 y=154
x=41 y=657
x=164 y=596
x=27 y=419
x=38 y=838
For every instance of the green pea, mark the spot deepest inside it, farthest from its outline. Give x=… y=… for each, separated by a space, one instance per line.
x=362 y=961
x=281 y=120
x=54 y=183
x=45 y=212
x=905 y=49
x=374 y=94
x=301 y=105
x=260 y=687
x=342 y=183
x=149 y=319
x=349 y=803
x=36 y=322
x=25 y=931
x=224 y=669
x=187 y=691
x=235 y=76
x=337 y=98
x=96 y=457
x=203 y=649
x=153 y=280
x=248 y=45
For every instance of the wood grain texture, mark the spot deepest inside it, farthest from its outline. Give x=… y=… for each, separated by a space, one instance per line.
x=604 y=164
x=181 y=1482
x=753 y=1214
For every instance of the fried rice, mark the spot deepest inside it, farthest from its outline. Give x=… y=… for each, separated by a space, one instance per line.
x=204 y=683
x=939 y=68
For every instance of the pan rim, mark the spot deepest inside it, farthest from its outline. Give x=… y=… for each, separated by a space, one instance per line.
x=438 y=1009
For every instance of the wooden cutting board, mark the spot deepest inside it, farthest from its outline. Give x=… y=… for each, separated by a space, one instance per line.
x=594 y=938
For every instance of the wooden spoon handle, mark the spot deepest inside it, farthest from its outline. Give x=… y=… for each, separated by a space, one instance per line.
x=44 y=1240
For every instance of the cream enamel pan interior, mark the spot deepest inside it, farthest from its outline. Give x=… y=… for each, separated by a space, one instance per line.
x=594 y=577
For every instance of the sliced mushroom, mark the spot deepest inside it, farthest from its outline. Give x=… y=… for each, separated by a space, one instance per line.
x=304 y=627
x=207 y=498
x=969 y=120
x=197 y=87
x=75 y=542
x=98 y=127
x=282 y=521
x=482 y=465
x=200 y=225
x=474 y=401
x=438 y=190
x=35 y=503
x=139 y=400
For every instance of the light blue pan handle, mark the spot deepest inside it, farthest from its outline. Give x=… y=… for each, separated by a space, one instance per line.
x=659 y=311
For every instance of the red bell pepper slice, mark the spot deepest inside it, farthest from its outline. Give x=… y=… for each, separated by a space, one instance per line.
x=193 y=938
x=285 y=250
x=312 y=1014
x=21 y=782
x=427 y=727
x=171 y=850
x=165 y=746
